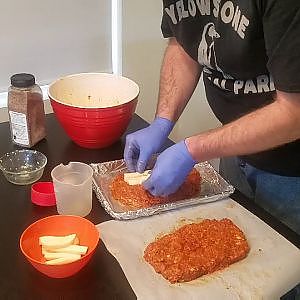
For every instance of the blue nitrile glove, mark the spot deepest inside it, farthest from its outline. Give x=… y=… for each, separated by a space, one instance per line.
x=170 y=170
x=142 y=144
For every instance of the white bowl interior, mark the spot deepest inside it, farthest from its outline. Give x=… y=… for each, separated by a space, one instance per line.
x=93 y=90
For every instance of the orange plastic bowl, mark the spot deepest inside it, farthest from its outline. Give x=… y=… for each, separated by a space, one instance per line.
x=59 y=225
x=94 y=108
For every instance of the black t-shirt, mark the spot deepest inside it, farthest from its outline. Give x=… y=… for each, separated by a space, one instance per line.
x=248 y=48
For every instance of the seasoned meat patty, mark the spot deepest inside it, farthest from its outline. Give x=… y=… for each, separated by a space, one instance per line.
x=135 y=196
x=197 y=249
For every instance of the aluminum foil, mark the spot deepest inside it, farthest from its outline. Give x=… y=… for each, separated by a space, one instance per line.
x=213 y=188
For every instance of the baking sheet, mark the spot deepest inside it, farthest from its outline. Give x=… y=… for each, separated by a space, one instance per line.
x=213 y=188
x=270 y=270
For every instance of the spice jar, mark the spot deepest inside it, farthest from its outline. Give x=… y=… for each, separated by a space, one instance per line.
x=26 y=110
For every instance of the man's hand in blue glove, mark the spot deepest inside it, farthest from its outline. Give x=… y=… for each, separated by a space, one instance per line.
x=171 y=168
x=142 y=144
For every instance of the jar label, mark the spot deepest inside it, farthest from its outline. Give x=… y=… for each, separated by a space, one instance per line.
x=19 y=128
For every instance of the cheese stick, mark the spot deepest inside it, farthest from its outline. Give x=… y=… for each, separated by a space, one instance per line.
x=136 y=177
x=55 y=255
x=73 y=249
x=63 y=260
x=52 y=242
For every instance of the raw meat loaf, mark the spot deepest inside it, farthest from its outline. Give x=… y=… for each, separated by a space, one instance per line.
x=135 y=196
x=197 y=249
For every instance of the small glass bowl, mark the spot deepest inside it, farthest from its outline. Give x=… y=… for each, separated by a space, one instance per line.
x=23 y=166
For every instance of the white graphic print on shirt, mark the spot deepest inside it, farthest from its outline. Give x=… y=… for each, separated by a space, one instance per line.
x=230 y=15
x=206 y=49
x=226 y=12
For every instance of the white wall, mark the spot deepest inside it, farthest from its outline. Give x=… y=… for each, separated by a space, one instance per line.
x=52 y=38
x=143 y=48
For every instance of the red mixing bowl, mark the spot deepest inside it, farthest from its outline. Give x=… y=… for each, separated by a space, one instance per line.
x=94 y=108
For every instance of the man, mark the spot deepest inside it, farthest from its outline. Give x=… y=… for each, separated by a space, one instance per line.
x=249 y=54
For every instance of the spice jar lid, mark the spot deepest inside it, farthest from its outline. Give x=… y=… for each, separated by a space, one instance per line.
x=42 y=193
x=22 y=80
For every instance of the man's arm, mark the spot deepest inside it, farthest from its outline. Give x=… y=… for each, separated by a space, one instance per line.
x=178 y=79
x=273 y=125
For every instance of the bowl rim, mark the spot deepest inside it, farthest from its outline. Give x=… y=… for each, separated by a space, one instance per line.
x=51 y=217
x=92 y=73
x=24 y=150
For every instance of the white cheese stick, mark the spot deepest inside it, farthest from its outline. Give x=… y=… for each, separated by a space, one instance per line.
x=136 y=177
x=54 y=255
x=63 y=260
x=52 y=242
x=73 y=249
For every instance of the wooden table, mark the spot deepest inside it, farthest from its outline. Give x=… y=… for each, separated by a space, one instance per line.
x=102 y=278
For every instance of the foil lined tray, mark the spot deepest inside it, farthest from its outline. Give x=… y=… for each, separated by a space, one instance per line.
x=213 y=188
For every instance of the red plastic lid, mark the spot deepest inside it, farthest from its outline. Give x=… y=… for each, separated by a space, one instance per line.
x=42 y=193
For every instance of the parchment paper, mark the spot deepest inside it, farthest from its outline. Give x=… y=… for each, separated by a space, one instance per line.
x=271 y=268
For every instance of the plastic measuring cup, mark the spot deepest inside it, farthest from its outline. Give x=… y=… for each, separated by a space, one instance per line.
x=73 y=188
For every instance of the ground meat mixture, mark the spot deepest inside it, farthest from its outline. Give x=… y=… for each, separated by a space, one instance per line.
x=135 y=196
x=197 y=249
